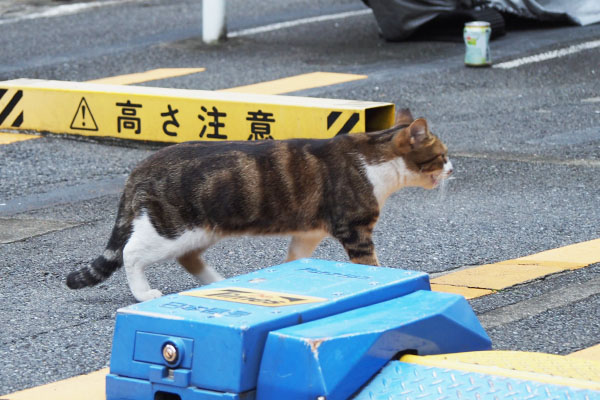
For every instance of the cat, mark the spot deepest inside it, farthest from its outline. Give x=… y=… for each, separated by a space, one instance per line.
x=185 y=197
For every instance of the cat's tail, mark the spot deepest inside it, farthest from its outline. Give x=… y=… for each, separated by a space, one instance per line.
x=110 y=260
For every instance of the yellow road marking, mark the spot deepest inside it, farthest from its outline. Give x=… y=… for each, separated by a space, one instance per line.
x=496 y=276
x=6 y=138
x=591 y=353
x=539 y=367
x=579 y=254
x=277 y=86
x=151 y=75
x=295 y=83
x=501 y=275
x=91 y=386
x=467 y=292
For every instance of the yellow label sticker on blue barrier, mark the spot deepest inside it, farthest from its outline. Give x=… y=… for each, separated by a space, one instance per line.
x=254 y=296
x=180 y=115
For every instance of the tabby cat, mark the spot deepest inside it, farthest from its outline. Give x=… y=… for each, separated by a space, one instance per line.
x=186 y=197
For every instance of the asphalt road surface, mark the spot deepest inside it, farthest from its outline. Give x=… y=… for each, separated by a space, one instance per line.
x=524 y=141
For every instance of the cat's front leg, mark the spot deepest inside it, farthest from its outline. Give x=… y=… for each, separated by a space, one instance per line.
x=358 y=243
x=363 y=257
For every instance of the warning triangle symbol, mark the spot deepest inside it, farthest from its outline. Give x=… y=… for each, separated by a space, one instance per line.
x=83 y=118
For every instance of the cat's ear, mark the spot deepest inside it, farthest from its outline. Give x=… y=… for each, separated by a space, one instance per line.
x=403 y=117
x=419 y=133
x=412 y=137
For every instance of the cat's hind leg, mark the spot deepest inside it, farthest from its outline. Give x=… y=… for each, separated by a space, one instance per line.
x=144 y=247
x=147 y=246
x=135 y=263
x=303 y=244
x=194 y=264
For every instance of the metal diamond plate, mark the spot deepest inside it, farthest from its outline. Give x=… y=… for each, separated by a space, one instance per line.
x=549 y=364
x=404 y=381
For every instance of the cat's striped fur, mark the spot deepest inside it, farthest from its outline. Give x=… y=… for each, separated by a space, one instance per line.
x=186 y=197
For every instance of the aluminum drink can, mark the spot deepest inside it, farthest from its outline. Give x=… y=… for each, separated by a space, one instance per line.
x=477 y=41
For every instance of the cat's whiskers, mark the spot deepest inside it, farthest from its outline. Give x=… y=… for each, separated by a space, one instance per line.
x=443 y=186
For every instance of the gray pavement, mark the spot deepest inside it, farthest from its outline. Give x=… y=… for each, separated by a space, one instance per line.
x=525 y=144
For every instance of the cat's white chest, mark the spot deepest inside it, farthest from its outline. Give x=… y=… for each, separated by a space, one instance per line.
x=388 y=177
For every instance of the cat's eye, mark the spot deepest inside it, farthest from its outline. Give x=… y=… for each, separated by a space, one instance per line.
x=432 y=164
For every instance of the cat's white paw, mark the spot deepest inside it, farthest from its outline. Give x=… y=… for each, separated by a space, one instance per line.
x=149 y=295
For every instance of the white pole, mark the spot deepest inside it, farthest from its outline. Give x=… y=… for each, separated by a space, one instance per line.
x=214 y=22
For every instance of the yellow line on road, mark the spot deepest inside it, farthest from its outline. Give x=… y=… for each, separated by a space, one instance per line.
x=485 y=279
x=91 y=386
x=467 y=292
x=151 y=75
x=7 y=138
x=295 y=83
x=277 y=86
x=591 y=353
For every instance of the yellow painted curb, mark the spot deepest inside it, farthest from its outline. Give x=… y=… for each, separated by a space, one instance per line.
x=91 y=386
x=539 y=367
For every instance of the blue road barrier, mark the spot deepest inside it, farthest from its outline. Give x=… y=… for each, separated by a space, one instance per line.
x=209 y=343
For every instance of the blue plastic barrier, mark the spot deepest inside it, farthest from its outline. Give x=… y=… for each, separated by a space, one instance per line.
x=208 y=343
x=333 y=357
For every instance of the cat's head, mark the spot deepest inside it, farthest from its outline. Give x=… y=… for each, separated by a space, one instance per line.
x=424 y=154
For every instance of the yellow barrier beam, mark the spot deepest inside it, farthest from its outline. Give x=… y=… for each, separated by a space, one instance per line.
x=179 y=115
